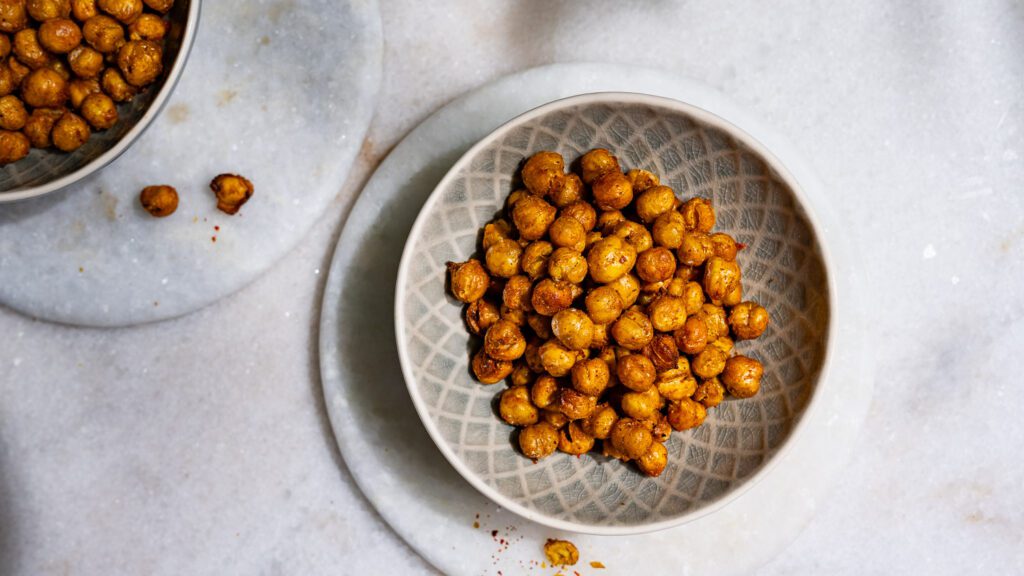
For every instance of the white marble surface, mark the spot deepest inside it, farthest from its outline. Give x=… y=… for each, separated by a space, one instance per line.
x=200 y=445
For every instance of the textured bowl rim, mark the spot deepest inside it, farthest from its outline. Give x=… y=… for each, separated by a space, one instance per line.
x=121 y=146
x=612 y=97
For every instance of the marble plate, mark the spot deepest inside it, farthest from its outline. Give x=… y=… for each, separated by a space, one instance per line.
x=281 y=91
x=389 y=452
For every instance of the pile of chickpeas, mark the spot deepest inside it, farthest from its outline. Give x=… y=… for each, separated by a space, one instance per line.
x=66 y=64
x=611 y=309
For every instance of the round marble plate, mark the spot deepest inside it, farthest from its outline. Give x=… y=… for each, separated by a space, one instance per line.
x=386 y=447
x=281 y=91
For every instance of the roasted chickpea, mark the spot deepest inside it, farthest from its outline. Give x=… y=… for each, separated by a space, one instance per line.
x=583 y=213
x=29 y=51
x=39 y=126
x=70 y=132
x=513 y=315
x=544 y=391
x=698 y=216
x=126 y=11
x=557 y=359
x=536 y=255
x=610 y=259
x=591 y=376
x=516 y=293
x=567 y=232
x=642 y=179
x=676 y=384
x=709 y=363
x=503 y=258
x=116 y=87
x=661 y=430
x=686 y=414
x=573 y=440
x=742 y=376
x=636 y=372
x=631 y=437
x=496 y=231
x=538 y=440
x=575 y=404
x=100 y=111
x=504 y=341
x=542 y=172
x=723 y=343
x=604 y=304
x=532 y=217
x=140 y=61
x=714 y=318
x=60 y=67
x=720 y=278
x=481 y=315
x=667 y=313
x=573 y=328
x=567 y=189
x=81 y=88
x=655 y=264
x=541 y=325
x=668 y=230
x=521 y=375
x=723 y=246
x=550 y=296
x=628 y=289
x=655 y=201
x=46 y=10
x=695 y=249
x=488 y=370
x=532 y=355
x=469 y=280
x=593 y=237
x=600 y=339
x=608 y=220
x=635 y=234
x=60 y=35
x=103 y=33
x=596 y=163
x=7 y=81
x=612 y=191
x=13 y=15
x=85 y=62
x=82 y=10
x=18 y=70
x=633 y=330
x=515 y=407
x=692 y=338
x=748 y=320
x=554 y=417
x=567 y=264
x=710 y=393
x=13 y=115
x=514 y=198
x=148 y=27
x=600 y=422
x=662 y=352
x=641 y=405
x=161 y=6
x=610 y=451
x=735 y=296
x=693 y=296
x=13 y=146
x=654 y=461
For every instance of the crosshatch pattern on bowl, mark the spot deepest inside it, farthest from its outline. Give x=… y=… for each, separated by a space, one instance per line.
x=782 y=267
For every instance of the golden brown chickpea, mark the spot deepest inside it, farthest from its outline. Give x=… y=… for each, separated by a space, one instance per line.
x=590 y=376
x=140 y=61
x=469 y=280
x=723 y=343
x=70 y=132
x=514 y=198
x=654 y=202
x=709 y=363
x=567 y=189
x=81 y=88
x=667 y=313
x=496 y=231
x=734 y=297
x=126 y=11
x=542 y=172
x=516 y=294
x=592 y=238
x=82 y=10
x=742 y=376
x=662 y=352
x=654 y=461
x=655 y=264
x=698 y=215
x=573 y=440
x=631 y=437
x=521 y=375
x=538 y=440
x=596 y=163
x=693 y=297
x=724 y=246
x=692 y=338
x=161 y=6
x=661 y=430
x=612 y=191
x=103 y=33
x=628 y=289
x=635 y=234
x=604 y=305
x=748 y=320
x=558 y=360
x=60 y=67
x=575 y=404
x=504 y=341
x=541 y=325
x=600 y=423
x=85 y=62
x=532 y=217
x=583 y=213
x=633 y=330
x=610 y=259
x=503 y=258
x=714 y=318
x=567 y=264
x=567 y=232
x=573 y=328
x=13 y=115
x=676 y=384
x=60 y=35
x=550 y=296
x=636 y=372
x=641 y=405
x=13 y=15
x=668 y=230
x=544 y=391
x=601 y=338
x=46 y=10
x=686 y=414
x=481 y=315
x=720 y=278
x=710 y=393
x=515 y=407
x=148 y=27
x=642 y=179
x=39 y=126
x=554 y=417
x=100 y=111
x=695 y=249
x=160 y=201
x=517 y=317
x=29 y=51
x=608 y=220
x=488 y=370
x=13 y=146
x=534 y=260
x=115 y=86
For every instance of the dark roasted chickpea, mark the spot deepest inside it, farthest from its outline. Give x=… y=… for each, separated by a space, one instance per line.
x=633 y=330
x=742 y=376
x=13 y=146
x=567 y=232
x=161 y=6
x=662 y=352
x=568 y=189
x=641 y=405
x=542 y=172
x=692 y=338
x=557 y=359
x=13 y=15
x=469 y=280
x=18 y=71
x=516 y=294
x=39 y=126
x=748 y=320
x=103 y=33
x=534 y=260
x=496 y=231
x=554 y=417
x=573 y=328
x=676 y=384
x=503 y=258
x=60 y=67
x=481 y=315
x=654 y=461
x=698 y=215
x=654 y=202
x=126 y=11
x=661 y=430
x=721 y=277
x=575 y=404
x=710 y=393
x=532 y=355
x=538 y=440
x=573 y=440
x=85 y=62
x=597 y=162
x=550 y=296
x=100 y=111
x=695 y=249
x=70 y=132
x=612 y=191
x=631 y=437
x=608 y=220
x=532 y=217
x=610 y=259
x=600 y=423
x=81 y=88
x=714 y=318
x=515 y=407
x=655 y=264
x=686 y=414
x=46 y=10
x=667 y=313
x=488 y=370
x=148 y=27
x=636 y=372
x=567 y=264
x=724 y=246
x=709 y=363
x=13 y=115
x=115 y=86
x=540 y=324
x=504 y=341
x=635 y=234
x=513 y=315
x=544 y=391
x=29 y=51
x=60 y=35
x=668 y=230
x=82 y=10
x=604 y=304
x=642 y=179
x=140 y=61
x=628 y=289
x=583 y=212
x=160 y=201
x=590 y=376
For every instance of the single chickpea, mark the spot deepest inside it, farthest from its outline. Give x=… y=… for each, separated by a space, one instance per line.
x=692 y=338
x=612 y=191
x=140 y=61
x=655 y=264
x=567 y=189
x=573 y=328
x=515 y=407
x=538 y=440
x=60 y=35
x=13 y=115
x=610 y=259
x=557 y=359
x=103 y=33
x=698 y=215
x=600 y=422
x=504 y=341
x=521 y=375
x=86 y=62
x=567 y=232
x=514 y=199
x=100 y=111
x=676 y=384
x=469 y=280
x=567 y=264
x=116 y=87
x=667 y=313
x=686 y=414
x=642 y=180
x=723 y=246
x=720 y=278
x=576 y=405
x=709 y=363
x=495 y=231
x=550 y=296
x=735 y=296
x=748 y=320
x=693 y=297
x=503 y=258
x=742 y=376
x=631 y=437
x=544 y=391
x=148 y=27
x=124 y=10
x=628 y=289
x=82 y=10
x=516 y=294
x=70 y=132
x=542 y=172
x=654 y=461
x=13 y=16
x=723 y=343
x=668 y=230
x=695 y=249
x=710 y=393
x=161 y=6
x=604 y=305
x=662 y=352
x=583 y=212
x=596 y=163
x=635 y=234
x=633 y=330
x=641 y=405
x=534 y=261
x=489 y=370
x=561 y=552
x=714 y=318
x=636 y=372
x=554 y=417
x=655 y=201
x=532 y=217
x=481 y=315
x=513 y=315
x=573 y=440
x=608 y=220
x=591 y=376
x=13 y=145
x=28 y=50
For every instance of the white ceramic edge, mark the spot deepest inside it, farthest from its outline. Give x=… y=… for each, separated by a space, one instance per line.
x=121 y=146
x=632 y=98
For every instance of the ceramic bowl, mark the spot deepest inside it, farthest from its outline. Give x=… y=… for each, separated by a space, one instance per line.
x=44 y=171
x=784 y=268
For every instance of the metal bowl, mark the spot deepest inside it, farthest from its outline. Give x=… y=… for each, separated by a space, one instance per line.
x=45 y=171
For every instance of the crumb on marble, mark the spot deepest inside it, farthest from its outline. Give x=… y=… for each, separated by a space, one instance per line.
x=224 y=97
x=561 y=552
x=597 y=565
